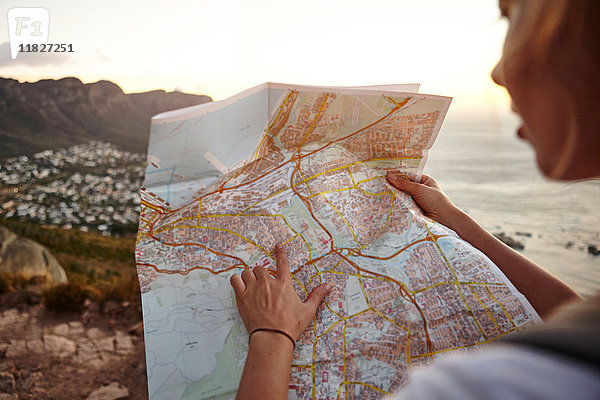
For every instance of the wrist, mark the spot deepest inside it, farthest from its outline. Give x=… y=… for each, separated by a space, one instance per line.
x=273 y=339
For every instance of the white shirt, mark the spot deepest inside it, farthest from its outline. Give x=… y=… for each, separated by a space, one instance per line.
x=503 y=372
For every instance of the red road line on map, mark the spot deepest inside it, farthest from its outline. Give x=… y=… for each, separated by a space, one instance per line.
x=199 y=245
x=187 y=271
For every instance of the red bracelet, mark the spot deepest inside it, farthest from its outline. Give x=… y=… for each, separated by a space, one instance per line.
x=287 y=335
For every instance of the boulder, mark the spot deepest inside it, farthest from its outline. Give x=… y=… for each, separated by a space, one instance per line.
x=76 y=328
x=21 y=256
x=123 y=344
x=114 y=391
x=61 y=329
x=36 y=346
x=7 y=383
x=105 y=345
x=59 y=345
x=16 y=348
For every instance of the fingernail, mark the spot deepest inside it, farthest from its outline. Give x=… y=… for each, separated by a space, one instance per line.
x=278 y=246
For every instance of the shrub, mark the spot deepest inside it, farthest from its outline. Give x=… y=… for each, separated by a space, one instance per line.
x=5 y=282
x=23 y=281
x=69 y=296
x=75 y=267
x=121 y=289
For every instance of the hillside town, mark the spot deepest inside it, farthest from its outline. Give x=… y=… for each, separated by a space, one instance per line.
x=90 y=187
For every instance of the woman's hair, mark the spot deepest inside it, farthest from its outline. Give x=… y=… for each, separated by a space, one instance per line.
x=567 y=24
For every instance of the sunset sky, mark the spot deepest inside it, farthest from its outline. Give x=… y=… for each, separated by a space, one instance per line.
x=221 y=47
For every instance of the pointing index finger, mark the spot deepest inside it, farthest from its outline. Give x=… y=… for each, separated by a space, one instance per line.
x=281 y=262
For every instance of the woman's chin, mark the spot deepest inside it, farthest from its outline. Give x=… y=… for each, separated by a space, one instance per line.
x=547 y=170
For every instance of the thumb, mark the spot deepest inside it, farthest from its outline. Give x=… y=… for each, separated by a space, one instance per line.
x=403 y=184
x=317 y=295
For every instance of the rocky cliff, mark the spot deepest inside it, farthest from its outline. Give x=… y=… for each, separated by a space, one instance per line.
x=59 y=113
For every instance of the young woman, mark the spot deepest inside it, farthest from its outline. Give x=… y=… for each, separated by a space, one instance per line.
x=551 y=68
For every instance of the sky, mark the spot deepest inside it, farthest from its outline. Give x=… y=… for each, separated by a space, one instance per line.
x=221 y=47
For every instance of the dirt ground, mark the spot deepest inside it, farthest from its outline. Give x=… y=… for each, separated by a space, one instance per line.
x=40 y=373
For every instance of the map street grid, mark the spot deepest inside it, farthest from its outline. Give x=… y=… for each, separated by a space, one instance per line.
x=306 y=166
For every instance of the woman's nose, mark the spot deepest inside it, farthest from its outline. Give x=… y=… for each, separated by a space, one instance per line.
x=498 y=73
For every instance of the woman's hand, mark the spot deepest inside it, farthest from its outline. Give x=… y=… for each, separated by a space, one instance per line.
x=429 y=196
x=264 y=302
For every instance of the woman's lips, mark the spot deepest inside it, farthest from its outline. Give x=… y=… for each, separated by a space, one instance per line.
x=521 y=130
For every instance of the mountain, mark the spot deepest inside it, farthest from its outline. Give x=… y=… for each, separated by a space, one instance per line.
x=51 y=114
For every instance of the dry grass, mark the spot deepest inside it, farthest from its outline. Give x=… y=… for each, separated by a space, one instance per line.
x=97 y=266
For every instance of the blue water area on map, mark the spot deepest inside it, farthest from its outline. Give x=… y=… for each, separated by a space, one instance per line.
x=230 y=134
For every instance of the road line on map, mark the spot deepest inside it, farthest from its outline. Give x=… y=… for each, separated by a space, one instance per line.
x=368 y=385
x=187 y=271
x=486 y=309
x=502 y=307
x=321 y=109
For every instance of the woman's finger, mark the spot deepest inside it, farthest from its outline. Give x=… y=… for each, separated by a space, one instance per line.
x=281 y=262
x=261 y=273
x=403 y=184
x=317 y=295
x=239 y=287
x=248 y=277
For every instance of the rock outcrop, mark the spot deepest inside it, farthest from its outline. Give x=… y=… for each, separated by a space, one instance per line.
x=509 y=241
x=21 y=256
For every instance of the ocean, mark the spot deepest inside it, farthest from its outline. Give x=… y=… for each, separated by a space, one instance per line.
x=491 y=174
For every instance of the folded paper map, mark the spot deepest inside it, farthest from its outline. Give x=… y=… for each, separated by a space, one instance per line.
x=305 y=166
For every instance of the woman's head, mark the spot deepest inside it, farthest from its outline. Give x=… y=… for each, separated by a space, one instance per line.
x=551 y=68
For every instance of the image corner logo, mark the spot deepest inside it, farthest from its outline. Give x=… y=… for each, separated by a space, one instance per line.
x=27 y=26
